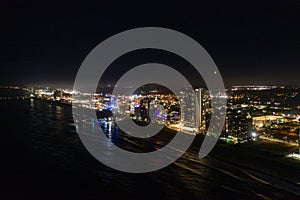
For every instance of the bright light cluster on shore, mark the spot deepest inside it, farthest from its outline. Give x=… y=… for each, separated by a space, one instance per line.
x=294 y=155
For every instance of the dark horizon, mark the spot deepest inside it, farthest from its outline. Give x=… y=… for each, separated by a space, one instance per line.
x=45 y=43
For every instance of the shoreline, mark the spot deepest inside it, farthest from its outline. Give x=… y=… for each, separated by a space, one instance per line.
x=277 y=140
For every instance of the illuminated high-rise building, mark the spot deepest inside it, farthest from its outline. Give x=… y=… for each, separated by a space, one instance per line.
x=238 y=124
x=188 y=108
x=195 y=109
x=202 y=108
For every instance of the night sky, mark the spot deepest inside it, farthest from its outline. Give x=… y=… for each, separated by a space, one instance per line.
x=251 y=42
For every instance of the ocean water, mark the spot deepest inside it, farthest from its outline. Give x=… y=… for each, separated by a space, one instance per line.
x=42 y=157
